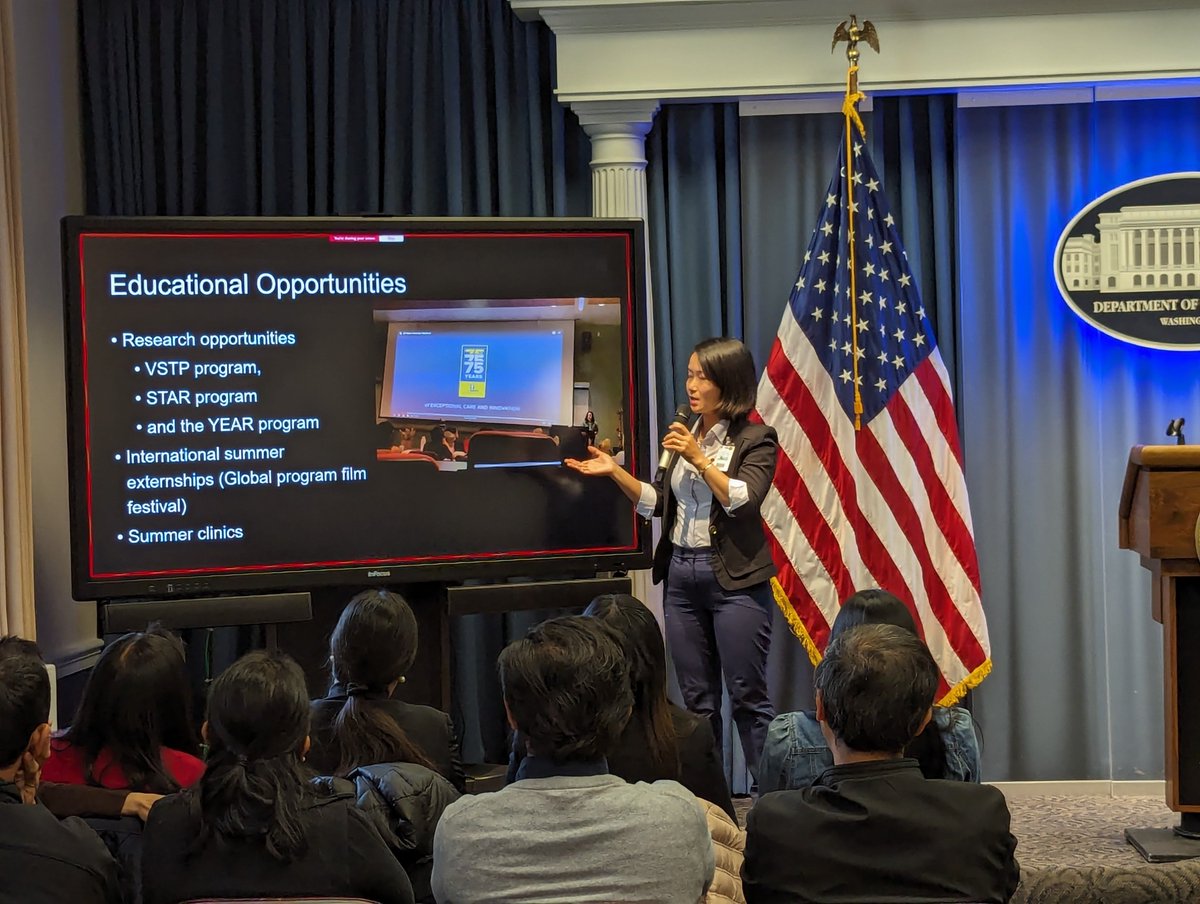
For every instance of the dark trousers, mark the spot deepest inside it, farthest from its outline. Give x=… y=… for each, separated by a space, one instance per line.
x=712 y=631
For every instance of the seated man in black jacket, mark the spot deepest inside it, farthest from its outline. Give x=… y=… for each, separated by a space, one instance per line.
x=872 y=828
x=41 y=859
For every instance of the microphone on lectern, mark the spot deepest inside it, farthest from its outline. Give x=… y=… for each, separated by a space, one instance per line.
x=682 y=413
x=1175 y=429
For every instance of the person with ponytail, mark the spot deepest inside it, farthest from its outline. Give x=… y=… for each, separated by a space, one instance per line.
x=660 y=740
x=398 y=759
x=254 y=826
x=359 y=722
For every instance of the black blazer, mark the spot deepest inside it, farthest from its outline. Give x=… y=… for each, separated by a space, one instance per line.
x=741 y=558
x=44 y=861
x=700 y=769
x=880 y=831
x=428 y=728
x=346 y=857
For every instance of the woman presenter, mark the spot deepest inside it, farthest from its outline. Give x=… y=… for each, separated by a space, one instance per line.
x=713 y=552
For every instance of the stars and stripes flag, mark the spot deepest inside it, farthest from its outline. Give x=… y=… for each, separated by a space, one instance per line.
x=869 y=489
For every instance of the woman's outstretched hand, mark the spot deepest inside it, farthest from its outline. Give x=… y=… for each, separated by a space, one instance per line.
x=597 y=464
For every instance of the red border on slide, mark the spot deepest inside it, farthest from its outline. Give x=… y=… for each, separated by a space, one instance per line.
x=302 y=566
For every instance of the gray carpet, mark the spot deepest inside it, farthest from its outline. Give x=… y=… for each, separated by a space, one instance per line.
x=1083 y=831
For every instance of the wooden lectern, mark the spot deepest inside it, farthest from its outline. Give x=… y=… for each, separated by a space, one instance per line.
x=1160 y=506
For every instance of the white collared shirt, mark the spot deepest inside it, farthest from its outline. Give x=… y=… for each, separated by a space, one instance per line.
x=695 y=499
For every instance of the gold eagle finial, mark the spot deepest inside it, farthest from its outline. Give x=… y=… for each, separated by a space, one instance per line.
x=851 y=32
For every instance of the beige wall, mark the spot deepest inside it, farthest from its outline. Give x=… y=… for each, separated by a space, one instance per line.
x=48 y=122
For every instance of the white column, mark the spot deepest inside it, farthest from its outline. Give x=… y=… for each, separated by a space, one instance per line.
x=618 y=132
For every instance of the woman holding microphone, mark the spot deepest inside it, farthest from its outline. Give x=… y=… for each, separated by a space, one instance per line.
x=713 y=552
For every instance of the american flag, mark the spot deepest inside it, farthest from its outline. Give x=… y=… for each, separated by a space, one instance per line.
x=884 y=505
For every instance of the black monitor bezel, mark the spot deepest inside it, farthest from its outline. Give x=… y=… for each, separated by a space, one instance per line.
x=483 y=567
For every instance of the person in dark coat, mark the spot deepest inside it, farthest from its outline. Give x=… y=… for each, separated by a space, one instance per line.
x=404 y=801
x=359 y=723
x=713 y=553
x=254 y=826
x=42 y=860
x=872 y=827
x=660 y=740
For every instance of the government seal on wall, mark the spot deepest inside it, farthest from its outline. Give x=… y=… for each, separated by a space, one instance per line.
x=1129 y=262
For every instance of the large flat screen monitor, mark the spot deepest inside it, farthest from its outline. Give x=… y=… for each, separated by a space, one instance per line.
x=266 y=404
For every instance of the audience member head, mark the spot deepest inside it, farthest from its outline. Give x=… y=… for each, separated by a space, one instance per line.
x=873 y=607
x=728 y=365
x=373 y=645
x=257 y=732
x=875 y=690
x=637 y=631
x=136 y=702
x=24 y=704
x=878 y=607
x=606 y=446
x=566 y=689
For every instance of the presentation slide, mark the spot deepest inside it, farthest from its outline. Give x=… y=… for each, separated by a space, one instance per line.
x=227 y=388
x=499 y=373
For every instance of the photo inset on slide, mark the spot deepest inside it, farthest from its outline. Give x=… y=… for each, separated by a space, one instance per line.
x=499 y=382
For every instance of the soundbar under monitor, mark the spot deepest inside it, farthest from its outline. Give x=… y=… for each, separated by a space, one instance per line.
x=267 y=404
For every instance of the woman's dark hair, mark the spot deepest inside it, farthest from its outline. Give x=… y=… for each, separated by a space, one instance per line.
x=373 y=645
x=254 y=786
x=873 y=607
x=729 y=364
x=136 y=702
x=878 y=607
x=637 y=631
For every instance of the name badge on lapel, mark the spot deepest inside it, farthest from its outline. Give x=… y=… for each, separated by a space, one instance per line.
x=723 y=457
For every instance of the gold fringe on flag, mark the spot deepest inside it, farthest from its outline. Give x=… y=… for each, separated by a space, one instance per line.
x=794 y=621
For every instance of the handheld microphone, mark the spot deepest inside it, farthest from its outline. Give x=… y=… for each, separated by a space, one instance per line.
x=682 y=413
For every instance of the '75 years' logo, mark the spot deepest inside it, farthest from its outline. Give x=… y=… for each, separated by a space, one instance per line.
x=472 y=372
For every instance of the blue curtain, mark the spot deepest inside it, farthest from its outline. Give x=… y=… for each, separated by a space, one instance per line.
x=694 y=224
x=324 y=107
x=1050 y=407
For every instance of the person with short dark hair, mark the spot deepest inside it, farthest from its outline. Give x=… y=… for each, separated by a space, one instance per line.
x=660 y=740
x=872 y=827
x=253 y=826
x=713 y=553
x=133 y=728
x=567 y=830
x=42 y=860
x=796 y=753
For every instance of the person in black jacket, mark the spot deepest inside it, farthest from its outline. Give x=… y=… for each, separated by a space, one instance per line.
x=713 y=553
x=404 y=801
x=660 y=740
x=253 y=826
x=42 y=860
x=359 y=723
x=872 y=827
